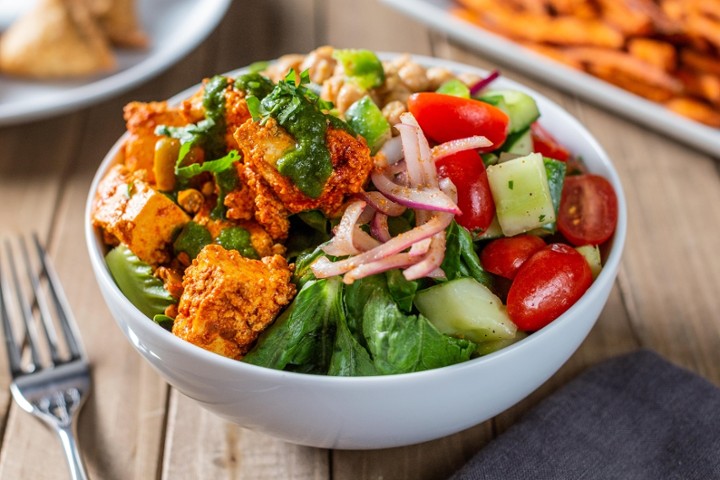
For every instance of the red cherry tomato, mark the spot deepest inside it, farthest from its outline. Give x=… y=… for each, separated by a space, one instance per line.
x=505 y=255
x=467 y=171
x=588 y=210
x=545 y=143
x=447 y=117
x=546 y=285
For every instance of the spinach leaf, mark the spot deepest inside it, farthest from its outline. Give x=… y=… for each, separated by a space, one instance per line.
x=461 y=259
x=302 y=338
x=349 y=358
x=401 y=289
x=399 y=343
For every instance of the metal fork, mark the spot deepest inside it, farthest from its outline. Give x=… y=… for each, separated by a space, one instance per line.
x=53 y=389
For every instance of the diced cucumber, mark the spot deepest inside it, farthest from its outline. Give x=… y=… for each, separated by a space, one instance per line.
x=520 y=107
x=466 y=308
x=555 y=171
x=592 y=255
x=493 y=231
x=367 y=119
x=454 y=87
x=522 y=195
x=490 y=347
x=519 y=143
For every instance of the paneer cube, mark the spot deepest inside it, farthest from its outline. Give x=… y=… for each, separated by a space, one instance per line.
x=142 y=218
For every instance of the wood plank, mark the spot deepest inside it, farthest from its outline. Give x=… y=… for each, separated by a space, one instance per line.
x=198 y=443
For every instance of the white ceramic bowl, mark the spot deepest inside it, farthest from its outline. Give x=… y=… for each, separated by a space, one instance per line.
x=382 y=411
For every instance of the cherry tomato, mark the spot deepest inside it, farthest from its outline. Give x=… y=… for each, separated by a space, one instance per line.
x=467 y=171
x=546 y=285
x=588 y=210
x=545 y=143
x=505 y=255
x=447 y=117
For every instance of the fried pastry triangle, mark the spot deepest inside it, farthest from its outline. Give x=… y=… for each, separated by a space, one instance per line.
x=55 y=39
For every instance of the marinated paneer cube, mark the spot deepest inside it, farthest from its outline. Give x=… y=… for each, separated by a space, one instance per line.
x=131 y=211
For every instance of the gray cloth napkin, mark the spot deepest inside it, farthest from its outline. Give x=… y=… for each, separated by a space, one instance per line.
x=632 y=417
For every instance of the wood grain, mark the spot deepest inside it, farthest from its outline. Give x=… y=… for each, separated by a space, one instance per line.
x=134 y=426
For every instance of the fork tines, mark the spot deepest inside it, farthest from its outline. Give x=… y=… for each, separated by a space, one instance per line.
x=28 y=286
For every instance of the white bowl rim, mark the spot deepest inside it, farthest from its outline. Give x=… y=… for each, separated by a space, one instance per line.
x=606 y=276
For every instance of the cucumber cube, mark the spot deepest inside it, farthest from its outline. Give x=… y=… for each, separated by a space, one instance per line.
x=521 y=193
x=466 y=308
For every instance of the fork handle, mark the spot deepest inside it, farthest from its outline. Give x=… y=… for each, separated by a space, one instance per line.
x=72 y=452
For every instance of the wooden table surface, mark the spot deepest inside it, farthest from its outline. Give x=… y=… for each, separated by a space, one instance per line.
x=134 y=426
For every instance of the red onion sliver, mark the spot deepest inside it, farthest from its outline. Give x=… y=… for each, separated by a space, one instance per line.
x=482 y=84
x=325 y=268
x=379 y=227
x=432 y=260
x=399 y=260
x=362 y=241
x=454 y=146
x=391 y=152
x=423 y=199
x=408 y=134
x=382 y=204
x=342 y=242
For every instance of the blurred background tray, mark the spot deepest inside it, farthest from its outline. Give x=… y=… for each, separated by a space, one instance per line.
x=437 y=14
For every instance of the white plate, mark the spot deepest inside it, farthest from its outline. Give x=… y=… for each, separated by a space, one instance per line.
x=436 y=13
x=174 y=26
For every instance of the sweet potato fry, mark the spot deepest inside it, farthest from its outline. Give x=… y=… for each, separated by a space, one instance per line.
x=667 y=51
x=701 y=84
x=560 y=30
x=694 y=109
x=624 y=16
x=624 y=69
x=655 y=52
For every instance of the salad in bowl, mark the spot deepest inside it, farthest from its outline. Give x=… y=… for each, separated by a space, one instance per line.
x=338 y=213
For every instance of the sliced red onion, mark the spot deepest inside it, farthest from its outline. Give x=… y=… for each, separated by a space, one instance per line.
x=419 y=198
x=399 y=260
x=482 y=84
x=391 y=152
x=342 y=241
x=431 y=261
x=411 y=149
x=382 y=204
x=418 y=157
x=449 y=188
x=455 y=146
x=420 y=248
x=379 y=227
x=324 y=268
x=362 y=241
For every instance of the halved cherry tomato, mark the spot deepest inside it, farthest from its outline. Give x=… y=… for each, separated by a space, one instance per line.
x=505 y=255
x=546 y=285
x=467 y=171
x=545 y=143
x=588 y=210
x=447 y=117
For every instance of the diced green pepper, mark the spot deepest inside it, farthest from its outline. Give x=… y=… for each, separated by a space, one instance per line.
x=362 y=67
x=454 y=87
